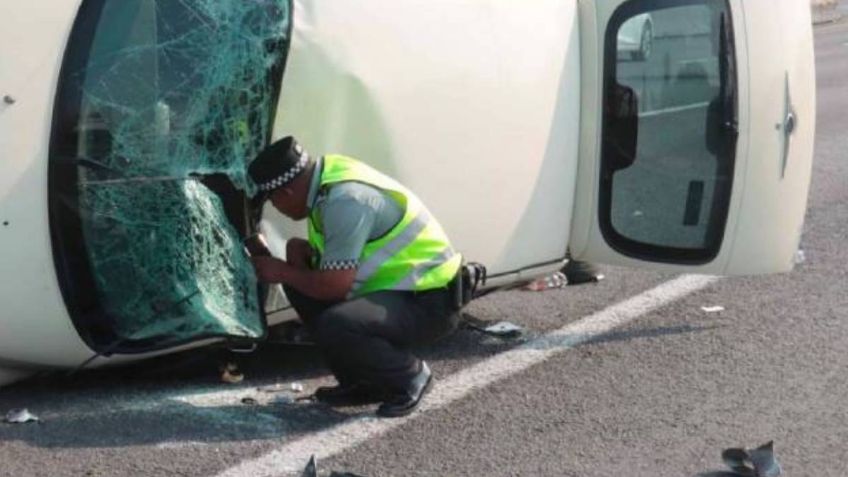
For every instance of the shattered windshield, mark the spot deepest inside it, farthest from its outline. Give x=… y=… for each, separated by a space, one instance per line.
x=156 y=98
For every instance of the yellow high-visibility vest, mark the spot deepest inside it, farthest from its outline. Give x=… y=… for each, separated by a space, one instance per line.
x=414 y=255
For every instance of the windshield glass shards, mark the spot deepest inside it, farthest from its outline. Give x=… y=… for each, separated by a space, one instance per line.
x=154 y=97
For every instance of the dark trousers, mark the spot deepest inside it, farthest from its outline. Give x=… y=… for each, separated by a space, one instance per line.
x=369 y=339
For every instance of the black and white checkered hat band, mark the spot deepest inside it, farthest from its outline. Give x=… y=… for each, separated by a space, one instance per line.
x=284 y=179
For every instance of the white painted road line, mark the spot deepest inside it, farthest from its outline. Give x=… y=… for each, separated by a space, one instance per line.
x=292 y=457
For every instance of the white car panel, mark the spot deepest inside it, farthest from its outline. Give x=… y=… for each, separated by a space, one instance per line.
x=456 y=101
x=777 y=183
x=34 y=323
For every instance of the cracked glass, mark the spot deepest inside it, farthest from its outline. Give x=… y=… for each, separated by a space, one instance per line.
x=172 y=99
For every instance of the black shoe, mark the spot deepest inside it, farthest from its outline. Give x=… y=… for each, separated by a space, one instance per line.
x=404 y=402
x=349 y=394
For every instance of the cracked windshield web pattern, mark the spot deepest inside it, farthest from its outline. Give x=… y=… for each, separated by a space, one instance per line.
x=174 y=90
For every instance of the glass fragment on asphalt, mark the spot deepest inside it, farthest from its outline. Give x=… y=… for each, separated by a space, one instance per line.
x=712 y=309
x=284 y=399
x=20 y=416
x=504 y=328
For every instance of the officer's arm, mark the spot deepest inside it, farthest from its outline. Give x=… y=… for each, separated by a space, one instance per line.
x=348 y=218
x=326 y=285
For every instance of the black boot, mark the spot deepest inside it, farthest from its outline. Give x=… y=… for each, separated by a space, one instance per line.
x=354 y=394
x=404 y=401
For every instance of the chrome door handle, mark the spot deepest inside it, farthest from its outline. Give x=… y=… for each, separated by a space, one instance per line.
x=790 y=122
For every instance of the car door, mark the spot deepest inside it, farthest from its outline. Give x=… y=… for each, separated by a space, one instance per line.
x=156 y=114
x=697 y=158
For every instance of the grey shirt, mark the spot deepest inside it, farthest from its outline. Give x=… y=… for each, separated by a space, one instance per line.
x=352 y=214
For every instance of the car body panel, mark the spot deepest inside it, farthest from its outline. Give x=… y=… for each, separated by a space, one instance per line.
x=479 y=120
x=766 y=207
x=35 y=326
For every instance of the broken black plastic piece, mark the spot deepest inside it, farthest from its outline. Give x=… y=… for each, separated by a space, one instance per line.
x=759 y=462
x=311 y=469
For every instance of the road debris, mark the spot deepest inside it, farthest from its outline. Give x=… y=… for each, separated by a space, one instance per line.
x=551 y=282
x=504 y=329
x=20 y=416
x=759 y=462
x=594 y=279
x=578 y=272
x=311 y=470
x=230 y=374
x=574 y=273
x=736 y=459
x=800 y=257
x=501 y=329
x=712 y=309
x=764 y=462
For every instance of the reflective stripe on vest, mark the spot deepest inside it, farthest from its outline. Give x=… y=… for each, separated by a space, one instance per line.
x=414 y=255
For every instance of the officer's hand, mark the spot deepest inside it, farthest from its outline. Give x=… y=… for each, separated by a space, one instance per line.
x=268 y=269
x=299 y=253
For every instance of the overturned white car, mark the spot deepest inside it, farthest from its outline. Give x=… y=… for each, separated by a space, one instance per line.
x=126 y=127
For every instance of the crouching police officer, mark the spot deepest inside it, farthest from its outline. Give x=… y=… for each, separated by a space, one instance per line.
x=377 y=276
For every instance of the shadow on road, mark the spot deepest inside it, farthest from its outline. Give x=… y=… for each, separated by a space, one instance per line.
x=649 y=333
x=575 y=340
x=179 y=399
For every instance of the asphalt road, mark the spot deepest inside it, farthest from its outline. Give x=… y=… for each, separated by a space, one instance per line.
x=661 y=395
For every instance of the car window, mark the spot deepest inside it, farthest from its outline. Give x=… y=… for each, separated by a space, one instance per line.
x=669 y=129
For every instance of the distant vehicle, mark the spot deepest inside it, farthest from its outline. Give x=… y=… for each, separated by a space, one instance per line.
x=126 y=127
x=636 y=37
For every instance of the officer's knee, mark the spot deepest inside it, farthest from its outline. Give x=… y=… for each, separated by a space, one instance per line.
x=331 y=327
